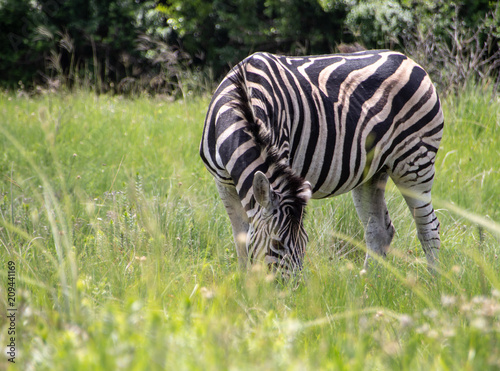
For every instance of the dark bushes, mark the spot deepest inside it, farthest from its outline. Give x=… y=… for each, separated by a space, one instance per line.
x=178 y=47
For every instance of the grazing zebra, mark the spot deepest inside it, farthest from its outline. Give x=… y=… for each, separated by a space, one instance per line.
x=280 y=130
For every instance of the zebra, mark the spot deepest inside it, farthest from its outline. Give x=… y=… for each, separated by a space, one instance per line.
x=281 y=130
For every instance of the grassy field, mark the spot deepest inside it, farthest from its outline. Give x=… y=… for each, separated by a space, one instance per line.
x=124 y=257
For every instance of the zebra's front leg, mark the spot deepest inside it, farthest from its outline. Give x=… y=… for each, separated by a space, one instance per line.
x=372 y=210
x=239 y=220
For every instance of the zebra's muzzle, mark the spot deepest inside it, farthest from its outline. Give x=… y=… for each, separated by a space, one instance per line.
x=285 y=267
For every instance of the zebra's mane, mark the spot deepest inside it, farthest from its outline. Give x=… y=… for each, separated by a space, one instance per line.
x=293 y=189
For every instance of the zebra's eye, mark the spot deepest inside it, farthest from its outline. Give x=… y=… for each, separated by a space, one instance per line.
x=276 y=245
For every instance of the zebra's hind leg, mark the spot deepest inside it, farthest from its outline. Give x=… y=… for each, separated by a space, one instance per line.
x=372 y=210
x=418 y=199
x=238 y=218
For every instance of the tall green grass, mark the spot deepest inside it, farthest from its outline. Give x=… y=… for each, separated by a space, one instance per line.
x=125 y=258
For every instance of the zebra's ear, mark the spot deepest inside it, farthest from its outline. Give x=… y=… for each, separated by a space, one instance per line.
x=262 y=191
x=306 y=193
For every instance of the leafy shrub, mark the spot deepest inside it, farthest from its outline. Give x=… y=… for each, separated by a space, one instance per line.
x=175 y=47
x=380 y=23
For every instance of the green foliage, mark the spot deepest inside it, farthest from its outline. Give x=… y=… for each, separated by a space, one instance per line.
x=131 y=46
x=21 y=51
x=380 y=23
x=77 y=40
x=125 y=258
x=222 y=33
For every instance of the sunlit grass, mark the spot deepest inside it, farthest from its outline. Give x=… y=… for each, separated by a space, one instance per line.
x=125 y=258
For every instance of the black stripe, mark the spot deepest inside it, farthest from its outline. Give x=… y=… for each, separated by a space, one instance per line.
x=425 y=216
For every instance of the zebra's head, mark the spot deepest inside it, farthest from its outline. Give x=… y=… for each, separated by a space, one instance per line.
x=277 y=235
